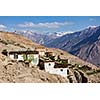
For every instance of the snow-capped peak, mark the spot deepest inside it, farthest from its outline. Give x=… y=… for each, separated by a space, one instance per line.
x=59 y=34
x=92 y=27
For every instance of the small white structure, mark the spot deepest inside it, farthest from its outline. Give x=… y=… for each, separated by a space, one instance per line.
x=65 y=61
x=41 y=50
x=59 y=71
x=41 y=53
x=54 y=68
x=48 y=65
x=31 y=56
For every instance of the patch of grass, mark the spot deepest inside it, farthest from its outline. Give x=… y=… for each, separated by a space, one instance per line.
x=3 y=42
x=84 y=68
x=4 y=52
x=93 y=72
x=52 y=58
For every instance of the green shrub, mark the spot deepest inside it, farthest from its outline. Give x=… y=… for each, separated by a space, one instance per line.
x=24 y=57
x=84 y=68
x=5 y=52
x=3 y=42
x=93 y=72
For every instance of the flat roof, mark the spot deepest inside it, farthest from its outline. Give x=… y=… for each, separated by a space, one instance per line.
x=24 y=52
x=65 y=59
x=58 y=65
x=49 y=52
x=46 y=60
x=40 y=47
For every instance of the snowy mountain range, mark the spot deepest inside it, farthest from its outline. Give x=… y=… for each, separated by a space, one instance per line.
x=85 y=44
x=41 y=38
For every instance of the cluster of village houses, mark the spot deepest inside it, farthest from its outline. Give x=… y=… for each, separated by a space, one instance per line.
x=41 y=58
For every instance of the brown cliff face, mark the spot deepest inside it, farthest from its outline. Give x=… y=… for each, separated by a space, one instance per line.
x=90 y=53
x=89 y=48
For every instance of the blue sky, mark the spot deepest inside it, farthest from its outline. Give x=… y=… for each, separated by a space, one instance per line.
x=45 y=24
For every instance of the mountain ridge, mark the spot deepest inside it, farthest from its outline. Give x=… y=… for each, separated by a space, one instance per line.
x=81 y=44
x=41 y=38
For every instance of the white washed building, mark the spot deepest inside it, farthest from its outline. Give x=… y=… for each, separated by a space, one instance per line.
x=59 y=71
x=41 y=50
x=32 y=56
x=54 y=68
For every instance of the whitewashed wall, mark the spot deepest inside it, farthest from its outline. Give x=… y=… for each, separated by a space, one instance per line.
x=59 y=71
x=12 y=57
x=49 y=65
x=41 y=53
x=20 y=57
x=36 y=59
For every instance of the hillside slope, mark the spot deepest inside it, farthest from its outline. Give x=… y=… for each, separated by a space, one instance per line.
x=40 y=38
x=15 y=72
x=18 y=72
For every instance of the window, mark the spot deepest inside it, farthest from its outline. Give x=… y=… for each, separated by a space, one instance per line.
x=49 y=64
x=67 y=71
x=15 y=56
x=61 y=70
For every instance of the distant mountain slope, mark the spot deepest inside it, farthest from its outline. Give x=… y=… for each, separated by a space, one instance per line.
x=41 y=38
x=84 y=44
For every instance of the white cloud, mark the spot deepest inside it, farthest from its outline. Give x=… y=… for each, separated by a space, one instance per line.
x=26 y=24
x=47 y=25
x=2 y=27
